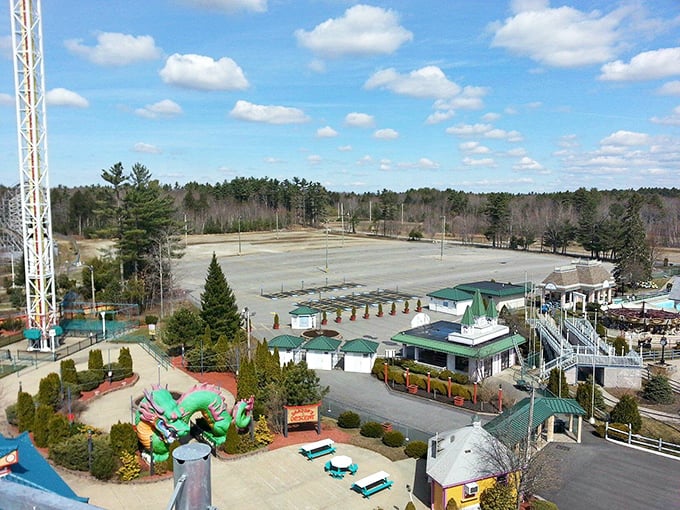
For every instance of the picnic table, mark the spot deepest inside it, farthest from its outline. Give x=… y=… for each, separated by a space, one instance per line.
x=373 y=483
x=339 y=465
x=317 y=449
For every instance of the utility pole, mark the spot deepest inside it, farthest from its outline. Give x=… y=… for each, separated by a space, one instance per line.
x=441 y=255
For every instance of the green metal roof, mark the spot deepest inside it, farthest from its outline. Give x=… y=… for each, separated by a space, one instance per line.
x=482 y=351
x=489 y=288
x=322 y=343
x=360 y=346
x=285 y=342
x=304 y=310
x=468 y=319
x=477 y=307
x=491 y=311
x=511 y=426
x=451 y=294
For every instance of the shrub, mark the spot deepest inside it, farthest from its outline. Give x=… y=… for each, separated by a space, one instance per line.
x=11 y=415
x=40 y=425
x=125 y=361
x=231 y=444
x=349 y=420
x=71 y=453
x=445 y=374
x=59 y=429
x=71 y=390
x=461 y=391
x=49 y=393
x=615 y=434
x=393 y=439
x=25 y=411
x=95 y=360
x=123 y=438
x=416 y=449
x=103 y=458
x=439 y=386
x=263 y=436
x=68 y=371
x=378 y=365
x=498 y=496
x=620 y=345
x=658 y=390
x=117 y=371
x=129 y=468
x=372 y=429
x=626 y=411
x=460 y=378
x=89 y=379
x=150 y=319
x=397 y=377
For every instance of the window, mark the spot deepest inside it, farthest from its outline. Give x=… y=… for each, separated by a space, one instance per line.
x=505 y=360
x=462 y=364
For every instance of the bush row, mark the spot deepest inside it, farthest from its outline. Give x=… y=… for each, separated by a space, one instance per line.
x=373 y=429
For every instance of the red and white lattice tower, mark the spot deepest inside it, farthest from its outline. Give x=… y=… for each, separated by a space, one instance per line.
x=36 y=217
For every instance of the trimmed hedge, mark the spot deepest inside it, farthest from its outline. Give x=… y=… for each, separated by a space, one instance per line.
x=416 y=449
x=349 y=420
x=11 y=414
x=393 y=439
x=540 y=504
x=89 y=379
x=372 y=429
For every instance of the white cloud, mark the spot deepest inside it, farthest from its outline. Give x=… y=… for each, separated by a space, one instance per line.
x=272 y=160
x=671 y=88
x=385 y=165
x=627 y=138
x=65 y=97
x=345 y=148
x=526 y=164
x=560 y=37
x=203 y=73
x=146 y=148
x=326 y=132
x=489 y=162
x=164 y=108
x=318 y=66
x=568 y=141
x=426 y=82
x=473 y=148
x=116 y=49
x=501 y=134
x=386 y=134
x=268 y=114
x=6 y=46
x=359 y=120
x=650 y=65
x=517 y=152
x=314 y=159
x=469 y=99
x=469 y=129
x=365 y=160
x=6 y=99
x=230 y=5
x=363 y=30
x=670 y=120
x=491 y=117
x=439 y=116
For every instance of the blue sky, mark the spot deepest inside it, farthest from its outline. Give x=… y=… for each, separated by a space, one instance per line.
x=519 y=96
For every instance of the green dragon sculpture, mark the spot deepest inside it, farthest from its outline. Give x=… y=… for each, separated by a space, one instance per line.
x=161 y=420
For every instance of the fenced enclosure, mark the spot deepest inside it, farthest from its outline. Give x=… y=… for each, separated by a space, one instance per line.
x=647 y=443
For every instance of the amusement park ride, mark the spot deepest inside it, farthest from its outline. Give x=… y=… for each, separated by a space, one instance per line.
x=36 y=218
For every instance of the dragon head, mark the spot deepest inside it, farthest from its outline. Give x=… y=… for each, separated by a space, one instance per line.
x=159 y=409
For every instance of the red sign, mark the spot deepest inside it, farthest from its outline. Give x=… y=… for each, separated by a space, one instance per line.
x=303 y=414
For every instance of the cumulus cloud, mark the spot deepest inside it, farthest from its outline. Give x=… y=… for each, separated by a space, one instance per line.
x=314 y=159
x=164 y=108
x=491 y=116
x=439 y=116
x=345 y=148
x=386 y=134
x=422 y=163
x=203 y=73
x=488 y=162
x=6 y=99
x=65 y=97
x=671 y=88
x=146 y=148
x=501 y=134
x=527 y=164
x=359 y=120
x=559 y=37
x=670 y=120
x=116 y=49
x=469 y=129
x=627 y=138
x=229 y=5
x=326 y=132
x=385 y=165
x=268 y=114
x=427 y=82
x=365 y=160
x=362 y=30
x=649 y=65
x=272 y=160
x=470 y=98
x=473 y=148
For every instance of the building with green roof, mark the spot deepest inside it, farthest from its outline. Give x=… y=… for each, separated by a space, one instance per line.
x=359 y=355
x=303 y=317
x=450 y=300
x=288 y=347
x=322 y=352
x=477 y=346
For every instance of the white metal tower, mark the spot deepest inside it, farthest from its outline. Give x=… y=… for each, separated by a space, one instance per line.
x=36 y=217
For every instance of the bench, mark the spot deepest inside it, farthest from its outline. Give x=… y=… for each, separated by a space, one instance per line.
x=317 y=449
x=372 y=484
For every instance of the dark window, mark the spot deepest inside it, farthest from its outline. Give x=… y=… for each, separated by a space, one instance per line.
x=462 y=364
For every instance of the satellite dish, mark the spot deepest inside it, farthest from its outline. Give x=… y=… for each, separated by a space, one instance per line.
x=420 y=319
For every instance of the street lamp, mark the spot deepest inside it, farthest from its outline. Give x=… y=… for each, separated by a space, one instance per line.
x=91 y=268
x=248 y=314
x=663 y=343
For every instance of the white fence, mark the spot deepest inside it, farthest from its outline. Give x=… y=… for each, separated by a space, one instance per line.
x=627 y=436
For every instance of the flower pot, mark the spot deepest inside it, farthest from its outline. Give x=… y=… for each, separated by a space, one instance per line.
x=276 y=326
x=393 y=313
x=324 y=322
x=412 y=388
x=387 y=427
x=380 y=314
x=366 y=316
x=353 y=318
x=406 y=311
x=338 y=319
x=419 y=309
x=458 y=400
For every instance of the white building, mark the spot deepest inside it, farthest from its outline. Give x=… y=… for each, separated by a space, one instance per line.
x=360 y=355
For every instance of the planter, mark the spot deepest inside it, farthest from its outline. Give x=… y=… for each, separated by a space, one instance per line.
x=324 y=322
x=458 y=400
x=406 y=311
x=366 y=316
x=379 y=314
x=353 y=318
x=338 y=319
x=419 y=309
x=276 y=326
x=393 y=313
x=412 y=388
x=387 y=427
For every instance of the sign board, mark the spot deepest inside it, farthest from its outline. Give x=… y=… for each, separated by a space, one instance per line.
x=152 y=329
x=302 y=414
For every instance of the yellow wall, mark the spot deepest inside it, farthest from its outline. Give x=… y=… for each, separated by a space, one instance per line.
x=456 y=493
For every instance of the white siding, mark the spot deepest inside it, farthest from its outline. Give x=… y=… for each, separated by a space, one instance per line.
x=317 y=360
x=361 y=363
x=303 y=321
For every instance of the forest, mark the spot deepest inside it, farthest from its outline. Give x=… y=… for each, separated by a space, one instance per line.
x=145 y=217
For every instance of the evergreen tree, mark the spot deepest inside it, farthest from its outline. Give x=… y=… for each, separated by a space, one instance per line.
x=125 y=361
x=557 y=383
x=584 y=396
x=626 y=411
x=183 y=327
x=658 y=390
x=25 y=411
x=222 y=352
x=247 y=380
x=634 y=261
x=218 y=304
x=95 y=361
x=497 y=212
x=49 y=393
x=302 y=385
x=41 y=425
x=499 y=496
x=123 y=438
x=232 y=441
x=69 y=374
x=59 y=429
x=263 y=435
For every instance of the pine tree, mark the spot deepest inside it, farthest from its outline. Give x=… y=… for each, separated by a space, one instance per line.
x=125 y=361
x=557 y=383
x=247 y=380
x=41 y=425
x=634 y=261
x=69 y=374
x=25 y=411
x=95 y=361
x=302 y=385
x=232 y=441
x=584 y=396
x=626 y=411
x=221 y=349
x=218 y=304
x=183 y=327
x=658 y=390
x=59 y=429
x=50 y=391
